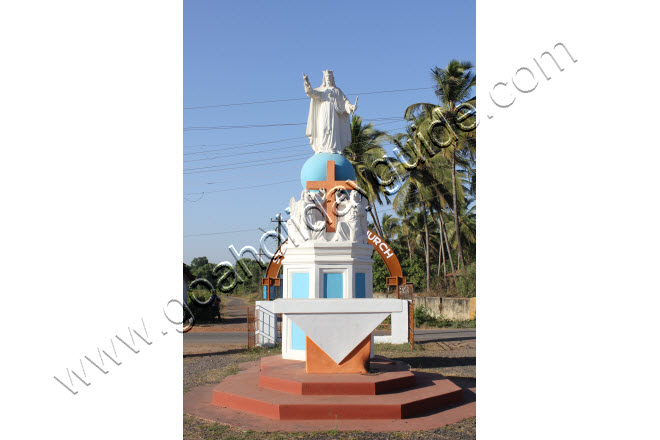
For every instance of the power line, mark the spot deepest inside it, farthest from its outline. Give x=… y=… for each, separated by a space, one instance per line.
x=233 y=189
x=231 y=165
x=242 y=187
x=218 y=233
x=261 y=151
x=234 y=146
x=246 y=166
x=199 y=107
x=242 y=230
x=391 y=91
x=278 y=219
x=382 y=211
x=244 y=153
x=406 y=205
x=231 y=127
x=267 y=184
x=234 y=178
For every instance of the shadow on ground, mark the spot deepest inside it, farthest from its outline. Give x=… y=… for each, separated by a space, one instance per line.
x=437 y=361
x=465 y=338
x=234 y=351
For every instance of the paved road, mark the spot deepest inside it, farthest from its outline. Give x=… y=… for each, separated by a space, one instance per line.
x=446 y=334
x=215 y=337
x=440 y=334
x=232 y=332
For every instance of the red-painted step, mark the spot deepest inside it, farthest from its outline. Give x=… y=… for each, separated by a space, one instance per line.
x=242 y=392
x=290 y=377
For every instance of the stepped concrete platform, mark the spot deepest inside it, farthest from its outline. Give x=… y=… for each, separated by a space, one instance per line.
x=198 y=402
x=242 y=392
x=290 y=377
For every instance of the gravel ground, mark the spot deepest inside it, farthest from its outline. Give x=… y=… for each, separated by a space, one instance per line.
x=458 y=365
x=208 y=369
x=197 y=429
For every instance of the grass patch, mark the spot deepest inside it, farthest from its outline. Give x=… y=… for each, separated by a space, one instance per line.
x=395 y=348
x=198 y=429
x=257 y=352
x=212 y=376
x=424 y=319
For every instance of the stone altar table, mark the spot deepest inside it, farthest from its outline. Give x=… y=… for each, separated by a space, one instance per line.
x=338 y=331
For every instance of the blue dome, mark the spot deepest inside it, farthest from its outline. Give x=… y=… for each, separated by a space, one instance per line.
x=316 y=166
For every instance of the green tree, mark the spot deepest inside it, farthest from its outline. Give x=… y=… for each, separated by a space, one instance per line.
x=453 y=87
x=200 y=267
x=380 y=273
x=426 y=183
x=199 y=261
x=410 y=198
x=391 y=227
x=364 y=152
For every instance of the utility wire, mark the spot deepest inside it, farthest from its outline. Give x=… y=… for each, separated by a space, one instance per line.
x=247 y=166
x=382 y=211
x=234 y=178
x=202 y=193
x=239 y=154
x=230 y=127
x=244 y=153
x=260 y=151
x=218 y=233
x=407 y=205
x=231 y=165
x=236 y=146
x=242 y=187
x=199 y=107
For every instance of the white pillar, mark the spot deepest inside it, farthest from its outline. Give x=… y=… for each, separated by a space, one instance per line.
x=400 y=324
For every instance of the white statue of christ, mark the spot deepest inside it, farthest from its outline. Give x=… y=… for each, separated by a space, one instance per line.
x=329 y=121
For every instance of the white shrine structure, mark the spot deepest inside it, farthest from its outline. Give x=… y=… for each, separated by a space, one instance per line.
x=326 y=259
x=329 y=315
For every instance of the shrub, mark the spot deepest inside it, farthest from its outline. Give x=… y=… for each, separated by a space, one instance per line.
x=467 y=281
x=415 y=271
x=379 y=273
x=203 y=314
x=423 y=317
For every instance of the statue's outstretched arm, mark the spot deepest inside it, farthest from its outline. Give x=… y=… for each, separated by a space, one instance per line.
x=348 y=107
x=309 y=90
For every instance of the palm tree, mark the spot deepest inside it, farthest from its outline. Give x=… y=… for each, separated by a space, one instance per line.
x=468 y=233
x=365 y=149
x=453 y=87
x=426 y=186
x=406 y=230
x=444 y=239
x=422 y=188
x=391 y=227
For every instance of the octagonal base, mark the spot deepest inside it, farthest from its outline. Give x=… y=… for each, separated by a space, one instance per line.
x=290 y=377
x=242 y=392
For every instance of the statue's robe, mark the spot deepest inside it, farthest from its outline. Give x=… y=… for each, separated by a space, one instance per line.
x=329 y=121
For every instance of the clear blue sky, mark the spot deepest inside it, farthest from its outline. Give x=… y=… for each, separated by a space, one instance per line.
x=238 y=52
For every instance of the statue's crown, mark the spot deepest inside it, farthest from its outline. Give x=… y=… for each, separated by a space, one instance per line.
x=327 y=72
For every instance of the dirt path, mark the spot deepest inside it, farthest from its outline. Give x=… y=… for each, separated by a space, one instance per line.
x=234 y=316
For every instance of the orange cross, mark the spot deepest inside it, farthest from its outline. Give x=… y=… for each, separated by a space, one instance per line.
x=330 y=185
